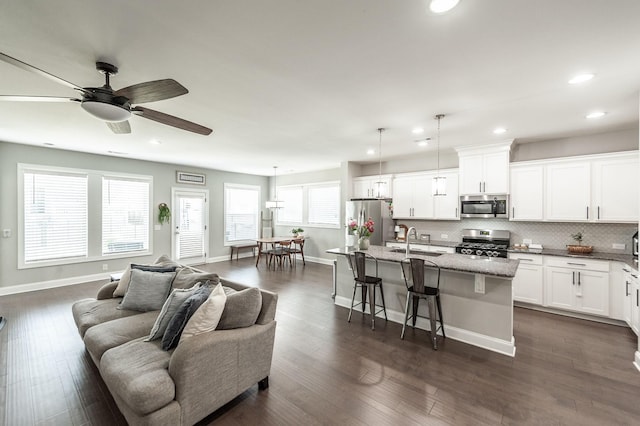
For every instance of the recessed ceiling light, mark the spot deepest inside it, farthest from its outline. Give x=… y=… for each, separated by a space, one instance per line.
x=118 y=153
x=596 y=114
x=155 y=142
x=48 y=144
x=442 y=6
x=371 y=151
x=581 y=78
x=499 y=130
x=423 y=142
x=417 y=130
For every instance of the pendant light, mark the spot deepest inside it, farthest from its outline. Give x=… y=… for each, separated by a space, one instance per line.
x=380 y=185
x=275 y=203
x=439 y=184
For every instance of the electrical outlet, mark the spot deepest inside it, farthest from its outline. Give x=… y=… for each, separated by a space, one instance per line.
x=105 y=267
x=6 y=233
x=619 y=246
x=527 y=241
x=444 y=236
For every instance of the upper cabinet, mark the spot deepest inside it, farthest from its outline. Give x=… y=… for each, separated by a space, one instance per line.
x=597 y=188
x=484 y=169
x=413 y=198
x=372 y=187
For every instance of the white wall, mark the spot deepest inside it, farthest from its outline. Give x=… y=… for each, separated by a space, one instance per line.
x=164 y=178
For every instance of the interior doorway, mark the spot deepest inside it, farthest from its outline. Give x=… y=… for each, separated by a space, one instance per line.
x=190 y=237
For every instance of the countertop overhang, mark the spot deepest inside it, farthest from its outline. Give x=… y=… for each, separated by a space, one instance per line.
x=490 y=266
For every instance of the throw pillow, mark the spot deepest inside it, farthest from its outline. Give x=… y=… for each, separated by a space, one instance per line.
x=123 y=284
x=147 y=290
x=153 y=268
x=174 y=329
x=187 y=277
x=171 y=305
x=207 y=316
x=241 y=309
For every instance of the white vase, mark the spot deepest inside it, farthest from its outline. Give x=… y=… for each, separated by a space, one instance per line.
x=363 y=243
x=351 y=240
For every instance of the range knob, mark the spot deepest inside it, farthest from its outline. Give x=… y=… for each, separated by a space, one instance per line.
x=479 y=252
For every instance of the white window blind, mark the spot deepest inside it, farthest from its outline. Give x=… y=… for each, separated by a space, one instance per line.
x=324 y=204
x=55 y=215
x=241 y=212
x=292 y=197
x=191 y=215
x=125 y=215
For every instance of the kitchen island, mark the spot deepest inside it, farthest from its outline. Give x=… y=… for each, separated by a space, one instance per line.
x=476 y=294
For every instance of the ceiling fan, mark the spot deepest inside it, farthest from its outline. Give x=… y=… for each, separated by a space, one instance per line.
x=114 y=107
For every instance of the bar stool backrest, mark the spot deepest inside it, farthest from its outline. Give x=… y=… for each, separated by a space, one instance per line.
x=357 y=262
x=414 y=272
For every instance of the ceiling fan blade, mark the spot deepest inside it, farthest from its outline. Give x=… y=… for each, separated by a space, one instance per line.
x=170 y=120
x=119 y=128
x=20 y=98
x=18 y=63
x=152 y=91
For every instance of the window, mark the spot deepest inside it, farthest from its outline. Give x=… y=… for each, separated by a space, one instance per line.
x=291 y=197
x=125 y=215
x=315 y=205
x=324 y=205
x=70 y=215
x=241 y=212
x=55 y=215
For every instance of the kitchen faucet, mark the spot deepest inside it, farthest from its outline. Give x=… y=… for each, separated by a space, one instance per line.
x=409 y=235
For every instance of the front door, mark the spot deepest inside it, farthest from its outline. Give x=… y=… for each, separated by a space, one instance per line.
x=190 y=238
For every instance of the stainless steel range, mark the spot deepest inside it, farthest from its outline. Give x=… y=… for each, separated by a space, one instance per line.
x=484 y=242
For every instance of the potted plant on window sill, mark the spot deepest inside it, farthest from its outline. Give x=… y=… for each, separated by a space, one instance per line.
x=297 y=232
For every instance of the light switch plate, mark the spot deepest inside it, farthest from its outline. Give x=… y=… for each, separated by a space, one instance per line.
x=527 y=241
x=479 y=283
x=157 y=227
x=6 y=233
x=619 y=246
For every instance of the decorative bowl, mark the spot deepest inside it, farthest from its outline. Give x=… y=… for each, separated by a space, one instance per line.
x=580 y=249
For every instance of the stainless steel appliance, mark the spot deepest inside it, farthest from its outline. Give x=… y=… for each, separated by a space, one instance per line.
x=484 y=206
x=634 y=244
x=484 y=242
x=379 y=211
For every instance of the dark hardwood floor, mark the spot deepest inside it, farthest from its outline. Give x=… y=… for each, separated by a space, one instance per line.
x=327 y=371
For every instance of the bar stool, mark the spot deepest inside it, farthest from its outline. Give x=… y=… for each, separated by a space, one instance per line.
x=357 y=263
x=413 y=271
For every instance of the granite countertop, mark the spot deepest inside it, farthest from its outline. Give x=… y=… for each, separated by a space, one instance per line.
x=498 y=267
x=596 y=255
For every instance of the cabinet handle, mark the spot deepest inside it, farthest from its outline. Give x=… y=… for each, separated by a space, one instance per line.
x=484 y=186
x=587 y=212
x=598 y=212
x=513 y=212
x=576 y=264
x=626 y=270
x=456 y=212
x=480 y=189
x=637 y=297
x=579 y=278
x=634 y=276
x=626 y=289
x=573 y=277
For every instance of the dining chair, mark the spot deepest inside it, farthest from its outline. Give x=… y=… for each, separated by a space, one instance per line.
x=279 y=253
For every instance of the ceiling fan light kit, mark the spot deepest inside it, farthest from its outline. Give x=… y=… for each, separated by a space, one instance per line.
x=114 y=107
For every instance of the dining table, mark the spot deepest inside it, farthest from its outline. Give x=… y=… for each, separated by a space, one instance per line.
x=275 y=240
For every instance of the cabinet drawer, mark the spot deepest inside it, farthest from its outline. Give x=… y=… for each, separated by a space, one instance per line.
x=526 y=258
x=577 y=263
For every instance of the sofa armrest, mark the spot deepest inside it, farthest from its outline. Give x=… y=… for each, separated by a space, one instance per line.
x=212 y=368
x=106 y=291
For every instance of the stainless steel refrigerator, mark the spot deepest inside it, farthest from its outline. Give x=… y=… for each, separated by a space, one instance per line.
x=379 y=211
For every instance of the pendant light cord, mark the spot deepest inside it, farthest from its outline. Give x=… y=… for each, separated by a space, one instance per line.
x=439 y=117
x=379 y=183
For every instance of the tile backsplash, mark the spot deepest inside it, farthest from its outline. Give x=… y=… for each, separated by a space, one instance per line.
x=554 y=235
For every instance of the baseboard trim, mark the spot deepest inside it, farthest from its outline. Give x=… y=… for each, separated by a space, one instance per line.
x=44 y=285
x=571 y=314
x=493 y=344
x=311 y=259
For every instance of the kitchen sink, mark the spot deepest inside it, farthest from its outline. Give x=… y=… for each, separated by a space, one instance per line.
x=419 y=252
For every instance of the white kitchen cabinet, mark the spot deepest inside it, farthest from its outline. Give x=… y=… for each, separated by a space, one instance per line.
x=412 y=197
x=484 y=170
x=447 y=206
x=527 y=192
x=528 y=284
x=629 y=296
x=615 y=189
x=567 y=191
x=635 y=303
x=372 y=187
x=578 y=285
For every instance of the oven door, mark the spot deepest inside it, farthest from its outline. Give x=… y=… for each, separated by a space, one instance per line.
x=484 y=207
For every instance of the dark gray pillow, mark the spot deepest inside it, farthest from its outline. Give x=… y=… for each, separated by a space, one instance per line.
x=241 y=309
x=187 y=278
x=176 y=298
x=181 y=317
x=153 y=268
x=147 y=290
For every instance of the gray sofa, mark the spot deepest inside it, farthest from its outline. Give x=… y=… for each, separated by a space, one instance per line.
x=181 y=386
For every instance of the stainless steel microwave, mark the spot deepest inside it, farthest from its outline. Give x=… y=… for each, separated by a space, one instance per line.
x=484 y=206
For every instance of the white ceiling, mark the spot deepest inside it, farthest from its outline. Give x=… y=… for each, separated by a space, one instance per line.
x=305 y=84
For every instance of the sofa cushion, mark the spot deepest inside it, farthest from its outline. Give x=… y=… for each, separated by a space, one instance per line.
x=137 y=372
x=176 y=298
x=147 y=290
x=90 y=312
x=171 y=336
x=241 y=309
x=207 y=316
x=102 y=337
x=187 y=277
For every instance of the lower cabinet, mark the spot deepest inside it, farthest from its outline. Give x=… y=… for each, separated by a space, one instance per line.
x=577 y=285
x=634 y=303
x=528 y=284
